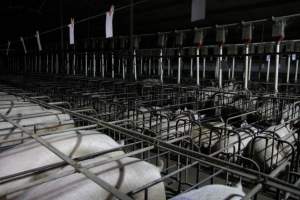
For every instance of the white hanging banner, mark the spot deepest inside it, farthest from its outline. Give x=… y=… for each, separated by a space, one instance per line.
x=8 y=46
x=71 y=31
x=37 y=35
x=109 y=23
x=198 y=10
x=23 y=44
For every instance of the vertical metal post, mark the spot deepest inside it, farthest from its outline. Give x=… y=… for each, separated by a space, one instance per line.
x=217 y=68
x=131 y=31
x=57 y=64
x=141 y=65
x=35 y=64
x=74 y=64
x=179 y=68
x=119 y=65
x=296 y=71
x=220 y=66
x=25 y=64
x=52 y=63
x=94 y=64
x=86 y=64
x=61 y=23
x=288 y=69
x=112 y=66
x=250 y=68
x=277 y=66
x=47 y=63
x=259 y=72
x=161 y=66
x=123 y=68
x=191 y=67
x=233 y=68
x=229 y=73
x=150 y=67
x=268 y=68
x=204 y=68
x=102 y=65
x=169 y=67
x=68 y=64
x=246 y=67
x=61 y=13
x=134 y=65
x=131 y=24
x=198 y=66
x=40 y=63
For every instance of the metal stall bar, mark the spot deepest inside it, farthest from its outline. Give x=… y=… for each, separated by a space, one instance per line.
x=71 y=162
x=202 y=158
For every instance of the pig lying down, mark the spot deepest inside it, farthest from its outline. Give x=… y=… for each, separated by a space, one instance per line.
x=213 y=192
x=126 y=174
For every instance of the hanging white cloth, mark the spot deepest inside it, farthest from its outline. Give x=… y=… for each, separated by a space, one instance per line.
x=109 y=23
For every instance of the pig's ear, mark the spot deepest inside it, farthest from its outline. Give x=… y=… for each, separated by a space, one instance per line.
x=239 y=185
x=121 y=142
x=160 y=165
